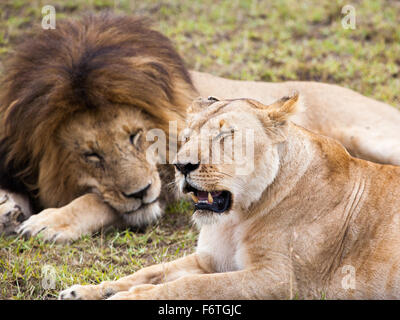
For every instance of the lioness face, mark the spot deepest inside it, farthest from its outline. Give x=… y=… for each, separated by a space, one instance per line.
x=238 y=133
x=107 y=151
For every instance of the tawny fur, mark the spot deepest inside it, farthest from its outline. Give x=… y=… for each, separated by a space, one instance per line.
x=306 y=215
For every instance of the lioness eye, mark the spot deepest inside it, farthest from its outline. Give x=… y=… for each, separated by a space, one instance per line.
x=92 y=156
x=135 y=137
x=226 y=133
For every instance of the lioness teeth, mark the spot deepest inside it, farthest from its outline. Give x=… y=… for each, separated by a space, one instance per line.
x=195 y=199
x=210 y=198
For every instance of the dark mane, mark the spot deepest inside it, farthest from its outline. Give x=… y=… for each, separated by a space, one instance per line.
x=97 y=62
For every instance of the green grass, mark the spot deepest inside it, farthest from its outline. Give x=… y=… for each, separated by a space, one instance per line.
x=252 y=40
x=91 y=259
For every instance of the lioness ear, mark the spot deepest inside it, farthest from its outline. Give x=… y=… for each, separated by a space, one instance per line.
x=194 y=106
x=286 y=107
x=201 y=103
x=276 y=115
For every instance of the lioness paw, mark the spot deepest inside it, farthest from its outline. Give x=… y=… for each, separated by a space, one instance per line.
x=52 y=225
x=78 y=292
x=11 y=215
x=123 y=295
x=140 y=292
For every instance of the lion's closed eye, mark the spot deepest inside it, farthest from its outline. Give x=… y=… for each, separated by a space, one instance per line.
x=135 y=138
x=186 y=133
x=92 y=157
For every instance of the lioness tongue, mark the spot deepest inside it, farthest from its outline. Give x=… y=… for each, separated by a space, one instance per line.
x=202 y=195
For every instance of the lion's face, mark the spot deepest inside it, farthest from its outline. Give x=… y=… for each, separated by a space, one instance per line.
x=246 y=135
x=107 y=152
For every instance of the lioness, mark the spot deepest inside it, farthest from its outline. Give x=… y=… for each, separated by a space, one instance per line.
x=77 y=104
x=292 y=227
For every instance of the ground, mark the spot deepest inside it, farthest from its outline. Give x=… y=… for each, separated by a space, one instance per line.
x=252 y=40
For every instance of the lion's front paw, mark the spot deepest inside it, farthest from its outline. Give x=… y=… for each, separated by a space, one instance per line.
x=78 y=292
x=52 y=225
x=11 y=215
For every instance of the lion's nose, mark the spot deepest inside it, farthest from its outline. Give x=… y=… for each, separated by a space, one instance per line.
x=185 y=168
x=138 y=194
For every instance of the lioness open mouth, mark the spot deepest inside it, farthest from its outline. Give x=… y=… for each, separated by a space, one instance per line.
x=215 y=201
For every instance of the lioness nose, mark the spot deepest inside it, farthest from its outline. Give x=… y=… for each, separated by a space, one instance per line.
x=185 y=168
x=139 y=194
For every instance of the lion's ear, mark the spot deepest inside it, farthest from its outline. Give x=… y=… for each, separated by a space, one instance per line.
x=283 y=109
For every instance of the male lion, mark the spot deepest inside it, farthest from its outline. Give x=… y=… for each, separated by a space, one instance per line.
x=306 y=218
x=77 y=102
x=75 y=107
